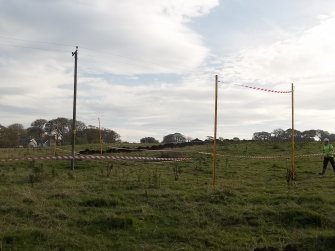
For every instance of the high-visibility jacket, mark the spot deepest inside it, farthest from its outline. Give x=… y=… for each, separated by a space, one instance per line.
x=328 y=151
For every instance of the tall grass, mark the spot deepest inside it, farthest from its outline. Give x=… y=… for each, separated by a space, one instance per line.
x=169 y=206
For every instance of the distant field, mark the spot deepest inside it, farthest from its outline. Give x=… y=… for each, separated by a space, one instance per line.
x=139 y=205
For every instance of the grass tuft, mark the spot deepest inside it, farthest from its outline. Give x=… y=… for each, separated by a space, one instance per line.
x=108 y=223
x=98 y=202
x=302 y=218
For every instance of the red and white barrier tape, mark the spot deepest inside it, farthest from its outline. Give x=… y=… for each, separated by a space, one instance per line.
x=263 y=89
x=264 y=157
x=309 y=155
x=92 y=157
x=260 y=89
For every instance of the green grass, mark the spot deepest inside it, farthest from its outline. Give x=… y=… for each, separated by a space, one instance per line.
x=168 y=206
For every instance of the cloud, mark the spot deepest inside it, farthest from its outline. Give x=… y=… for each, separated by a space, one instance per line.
x=129 y=38
x=306 y=59
x=122 y=37
x=144 y=72
x=304 y=56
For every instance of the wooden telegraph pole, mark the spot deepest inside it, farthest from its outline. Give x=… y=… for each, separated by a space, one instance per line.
x=100 y=138
x=75 y=54
x=215 y=130
x=293 y=133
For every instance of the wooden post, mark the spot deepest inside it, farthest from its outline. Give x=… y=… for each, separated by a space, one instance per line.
x=215 y=129
x=293 y=133
x=100 y=138
x=55 y=147
x=75 y=54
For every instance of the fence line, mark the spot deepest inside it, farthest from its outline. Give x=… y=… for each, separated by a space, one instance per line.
x=264 y=157
x=92 y=157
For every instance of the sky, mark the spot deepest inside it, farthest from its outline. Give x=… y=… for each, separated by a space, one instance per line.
x=147 y=68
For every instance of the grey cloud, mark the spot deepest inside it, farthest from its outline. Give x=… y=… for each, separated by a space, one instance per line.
x=17 y=109
x=134 y=37
x=6 y=90
x=146 y=41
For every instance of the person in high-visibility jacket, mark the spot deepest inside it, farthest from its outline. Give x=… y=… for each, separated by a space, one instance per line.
x=328 y=156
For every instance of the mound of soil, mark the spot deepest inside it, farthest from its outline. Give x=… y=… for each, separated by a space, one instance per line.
x=141 y=148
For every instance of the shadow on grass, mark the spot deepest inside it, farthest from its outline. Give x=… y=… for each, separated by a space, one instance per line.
x=303 y=218
x=13 y=241
x=108 y=223
x=98 y=202
x=325 y=241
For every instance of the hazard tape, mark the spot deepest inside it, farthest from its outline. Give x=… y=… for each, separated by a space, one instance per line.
x=264 y=157
x=246 y=156
x=309 y=155
x=263 y=89
x=93 y=157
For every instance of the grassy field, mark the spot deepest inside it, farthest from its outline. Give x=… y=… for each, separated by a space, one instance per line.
x=168 y=206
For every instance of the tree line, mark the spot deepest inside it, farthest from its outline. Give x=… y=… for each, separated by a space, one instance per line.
x=60 y=129
x=170 y=138
x=285 y=135
x=275 y=135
